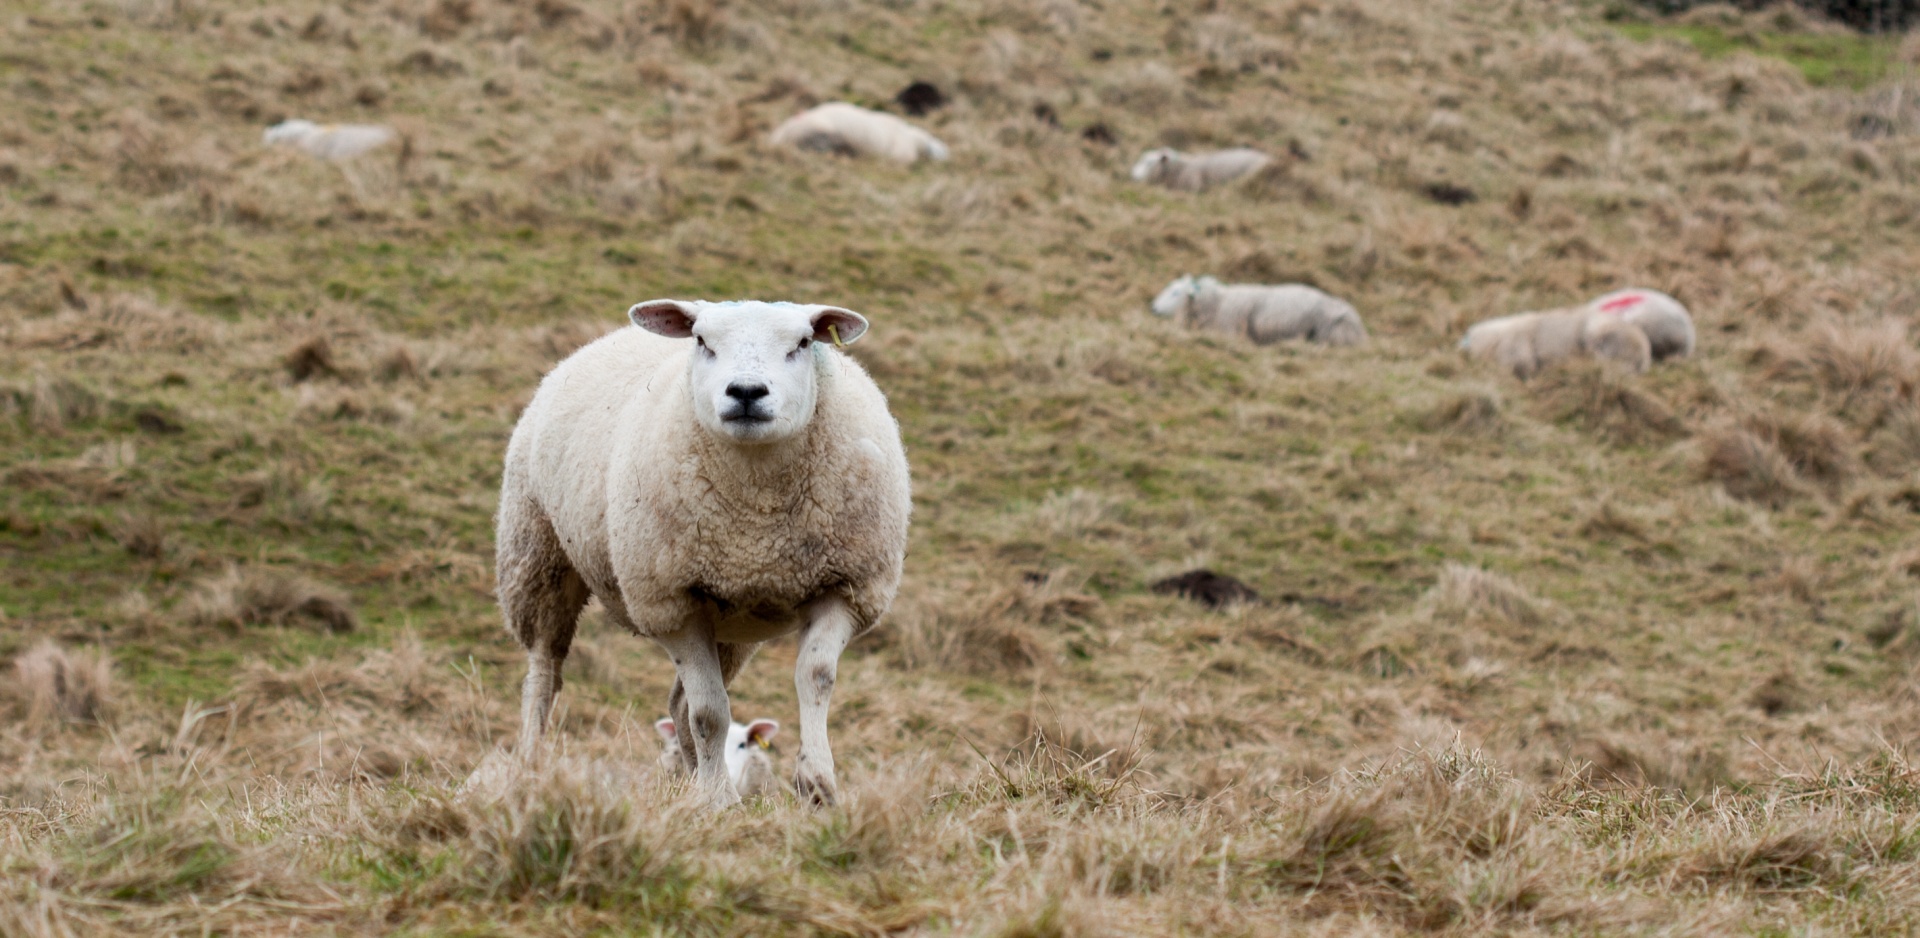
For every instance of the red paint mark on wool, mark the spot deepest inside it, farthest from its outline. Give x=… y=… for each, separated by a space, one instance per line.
x=1620 y=303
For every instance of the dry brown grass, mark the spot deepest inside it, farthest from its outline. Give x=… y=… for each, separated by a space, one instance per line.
x=1520 y=665
x=54 y=683
x=246 y=596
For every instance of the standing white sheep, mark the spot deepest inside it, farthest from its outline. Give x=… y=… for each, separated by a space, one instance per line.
x=1264 y=314
x=714 y=494
x=1668 y=326
x=840 y=127
x=748 y=765
x=1198 y=172
x=1525 y=343
x=334 y=142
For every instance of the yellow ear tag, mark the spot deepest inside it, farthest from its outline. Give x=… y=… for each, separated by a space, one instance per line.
x=833 y=329
x=763 y=740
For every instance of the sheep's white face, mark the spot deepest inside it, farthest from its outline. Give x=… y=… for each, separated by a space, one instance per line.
x=1172 y=301
x=754 y=369
x=1151 y=162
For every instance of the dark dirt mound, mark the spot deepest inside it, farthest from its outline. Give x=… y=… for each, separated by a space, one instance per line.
x=1208 y=588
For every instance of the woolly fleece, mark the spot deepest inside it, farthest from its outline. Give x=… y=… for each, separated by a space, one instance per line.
x=1527 y=342
x=1260 y=313
x=609 y=477
x=845 y=128
x=1197 y=172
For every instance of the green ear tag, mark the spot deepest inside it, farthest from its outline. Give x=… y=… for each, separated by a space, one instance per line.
x=833 y=329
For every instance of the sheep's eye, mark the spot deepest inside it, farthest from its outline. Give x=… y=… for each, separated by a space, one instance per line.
x=805 y=342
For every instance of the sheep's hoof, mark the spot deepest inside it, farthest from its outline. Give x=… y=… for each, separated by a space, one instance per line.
x=813 y=790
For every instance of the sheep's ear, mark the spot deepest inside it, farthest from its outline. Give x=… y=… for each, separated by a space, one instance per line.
x=670 y=318
x=837 y=326
x=763 y=731
x=665 y=729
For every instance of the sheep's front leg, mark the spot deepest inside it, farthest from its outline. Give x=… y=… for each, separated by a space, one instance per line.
x=696 y=662
x=828 y=629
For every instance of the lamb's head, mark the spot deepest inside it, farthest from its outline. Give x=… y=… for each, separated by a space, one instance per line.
x=289 y=131
x=1176 y=301
x=744 y=749
x=755 y=368
x=1153 y=163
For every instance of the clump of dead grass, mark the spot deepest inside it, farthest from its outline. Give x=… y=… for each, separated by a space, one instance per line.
x=59 y=684
x=254 y=595
x=1852 y=361
x=1005 y=631
x=1464 y=593
x=1606 y=402
x=1398 y=837
x=1749 y=466
x=1773 y=457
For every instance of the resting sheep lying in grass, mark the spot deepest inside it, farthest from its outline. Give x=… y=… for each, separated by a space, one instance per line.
x=1527 y=342
x=1264 y=314
x=1634 y=327
x=839 y=127
x=328 y=141
x=1668 y=327
x=714 y=494
x=748 y=765
x=1198 y=172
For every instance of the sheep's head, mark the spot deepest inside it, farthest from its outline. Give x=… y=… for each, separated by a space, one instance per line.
x=743 y=744
x=1176 y=301
x=1153 y=163
x=755 y=367
x=289 y=131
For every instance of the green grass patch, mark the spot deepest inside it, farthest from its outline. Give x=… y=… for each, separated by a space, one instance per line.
x=1824 y=59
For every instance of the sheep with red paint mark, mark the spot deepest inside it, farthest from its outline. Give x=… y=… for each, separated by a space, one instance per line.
x=1667 y=324
x=1633 y=328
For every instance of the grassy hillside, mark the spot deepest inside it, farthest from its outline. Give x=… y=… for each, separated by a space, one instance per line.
x=1591 y=654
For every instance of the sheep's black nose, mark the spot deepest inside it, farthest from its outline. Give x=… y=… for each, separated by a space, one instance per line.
x=747 y=393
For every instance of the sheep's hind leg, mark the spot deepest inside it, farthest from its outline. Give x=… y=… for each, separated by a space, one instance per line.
x=828 y=629
x=541 y=596
x=701 y=710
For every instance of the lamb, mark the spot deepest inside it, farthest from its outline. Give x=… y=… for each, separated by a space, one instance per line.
x=748 y=765
x=1668 y=327
x=844 y=128
x=1264 y=314
x=1527 y=342
x=714 y=495
x=1524 y=343
x=1199 y=172
x=334 y=142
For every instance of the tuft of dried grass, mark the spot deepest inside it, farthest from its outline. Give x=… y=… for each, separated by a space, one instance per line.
x=1473 y=411
x=1749 y=466
x=1465 y=592
x=1606 y=402
x=398 y=364
x=1849 y=360
x=244 y=596
x=56 y=683
x=1774 y=457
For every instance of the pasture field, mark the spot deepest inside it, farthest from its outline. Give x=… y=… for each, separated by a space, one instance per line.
x=1594 y=654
